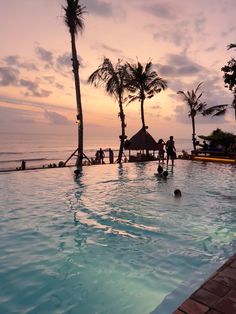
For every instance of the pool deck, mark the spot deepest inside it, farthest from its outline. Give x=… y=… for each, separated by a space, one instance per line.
x=214 y=159
x=217 y=295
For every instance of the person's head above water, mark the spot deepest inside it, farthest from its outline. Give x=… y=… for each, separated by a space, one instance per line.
x=77 y=172
x=165 y=174
x=160 y=169
x=177 y=193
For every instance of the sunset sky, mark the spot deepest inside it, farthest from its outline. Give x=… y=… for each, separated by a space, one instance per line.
x=186 y=41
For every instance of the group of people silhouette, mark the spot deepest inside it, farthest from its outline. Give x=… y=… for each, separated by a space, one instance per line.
x=170 y=150
x=164 y=174
x=100 y=155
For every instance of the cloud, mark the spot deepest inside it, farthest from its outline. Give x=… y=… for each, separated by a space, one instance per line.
x=162 y=10
x=199 y=23
x=59 y=86
x=8 y=76
x=14 y=115
x=14 y=60
x=213 y=95
x=11 y=60
x=100 y=8
x=179 y=35
x=33 y=89
x=179 y=66
x=181 y=114
x=211 y=48
x=49 y=79
x=155 y=107
x=64 y=60
x=45 y=55
x=101 y=46
x=56 y=118
x=229 y=31
x=24 y=102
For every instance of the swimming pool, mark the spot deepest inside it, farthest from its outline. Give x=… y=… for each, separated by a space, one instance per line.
x=114 y=240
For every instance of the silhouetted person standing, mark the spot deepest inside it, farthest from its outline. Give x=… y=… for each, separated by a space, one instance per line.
x=161 y=150
x=111 y=156
x=23 y=165
x=205 y=146
x=170 y=149
x=101 y=156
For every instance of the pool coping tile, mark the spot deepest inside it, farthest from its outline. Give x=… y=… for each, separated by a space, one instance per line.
x=217 y=295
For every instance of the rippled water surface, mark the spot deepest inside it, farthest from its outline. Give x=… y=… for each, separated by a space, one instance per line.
x=114 y=240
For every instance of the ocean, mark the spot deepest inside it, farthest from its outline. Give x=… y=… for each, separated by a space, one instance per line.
x=40 y=150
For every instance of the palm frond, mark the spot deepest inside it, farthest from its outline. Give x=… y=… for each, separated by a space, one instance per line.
x=220 y=113
x=215 y=109
x=73 y=18
x=199 y=96
x=230 y=46
x=111 y=77
x=180 y=92
x=199 y=85
x=132 y=99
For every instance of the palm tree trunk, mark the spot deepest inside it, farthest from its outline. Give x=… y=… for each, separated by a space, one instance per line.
x=122 y=137
x=193 y=135
x=75 y=65
x=142 y=114
x=234 y=104
x=143 y=121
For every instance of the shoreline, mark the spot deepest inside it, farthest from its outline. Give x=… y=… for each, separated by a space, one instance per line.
x=33 y=168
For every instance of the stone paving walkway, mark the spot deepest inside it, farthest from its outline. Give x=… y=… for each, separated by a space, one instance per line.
x=217 y=295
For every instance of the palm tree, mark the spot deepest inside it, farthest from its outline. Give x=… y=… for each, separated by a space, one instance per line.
x=230 y=82
x=73 y=18
x=112 y=77
x=143 y=82
x=195 y=107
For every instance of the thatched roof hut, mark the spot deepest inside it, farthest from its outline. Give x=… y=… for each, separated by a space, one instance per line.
x=142 y=141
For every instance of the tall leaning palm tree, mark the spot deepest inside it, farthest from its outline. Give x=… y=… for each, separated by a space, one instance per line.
x=112 y=77
x=195 y=106
x=143 y=82
x=73 y=18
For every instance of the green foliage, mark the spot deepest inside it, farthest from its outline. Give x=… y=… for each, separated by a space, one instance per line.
x=195 y=106
x=219 y=137
x=230 y=82
x=143 y=81
x=193 y=101
x=230 y=79
x=112 y=78
x=230 y=74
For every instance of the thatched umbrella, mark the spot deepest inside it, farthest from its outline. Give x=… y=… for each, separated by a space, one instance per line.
x=143 y=142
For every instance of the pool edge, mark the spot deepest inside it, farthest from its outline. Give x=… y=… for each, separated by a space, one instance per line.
x=216 y=295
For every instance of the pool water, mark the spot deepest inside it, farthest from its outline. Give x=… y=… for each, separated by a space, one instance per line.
x=114 y=240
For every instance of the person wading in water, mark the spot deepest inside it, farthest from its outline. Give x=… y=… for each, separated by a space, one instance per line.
x=170 y=149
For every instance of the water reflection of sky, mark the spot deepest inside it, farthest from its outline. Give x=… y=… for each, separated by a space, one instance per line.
x=115 y=238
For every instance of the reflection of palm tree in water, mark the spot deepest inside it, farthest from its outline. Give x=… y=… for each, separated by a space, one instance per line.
x=78 y=191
